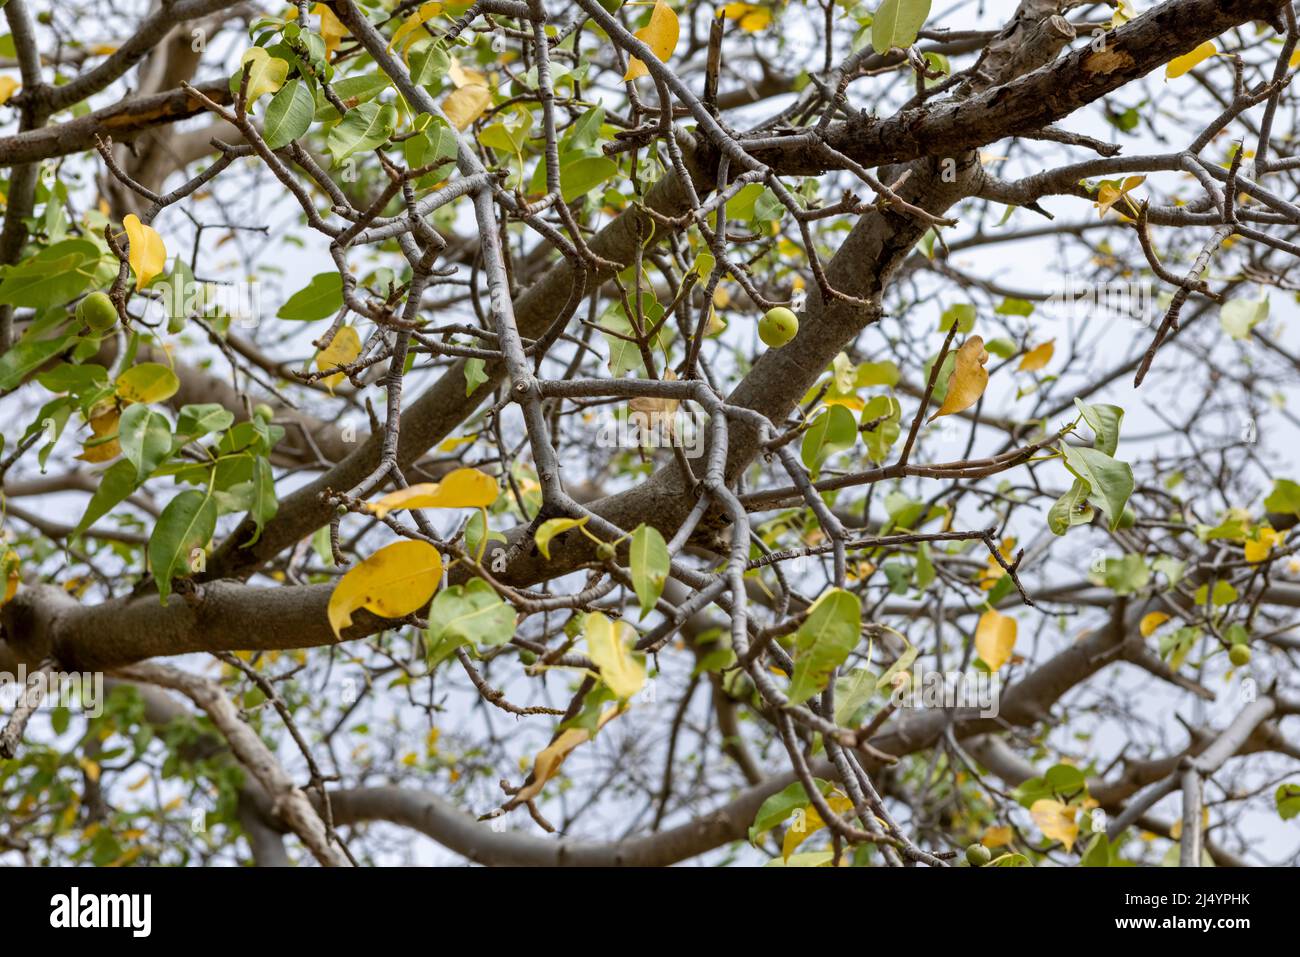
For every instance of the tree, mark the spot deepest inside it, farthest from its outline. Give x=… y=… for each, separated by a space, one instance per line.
x=600 y=433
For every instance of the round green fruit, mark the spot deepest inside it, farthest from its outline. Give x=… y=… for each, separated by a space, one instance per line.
x=778 y=326
x=97 y=312
x=611 y=6
x=263 y=412
x=340 y=510
x=977 y=855
x=1239 y=655
x=605 y=551
x=1127 y=518
x=528 y=657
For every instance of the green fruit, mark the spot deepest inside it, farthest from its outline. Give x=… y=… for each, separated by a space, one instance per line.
x=1239 y=655
x=263 y=412
x=605 y=551
x=340 y=510
x=528 y=657
x=97 y=312
x=1127 y=518
x=611 y=6
x=778 y=326
x=977 y=855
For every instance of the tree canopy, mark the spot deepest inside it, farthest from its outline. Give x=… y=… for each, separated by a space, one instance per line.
x=799 y=432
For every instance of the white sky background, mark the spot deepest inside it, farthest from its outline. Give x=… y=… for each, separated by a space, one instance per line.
x=1029 y=265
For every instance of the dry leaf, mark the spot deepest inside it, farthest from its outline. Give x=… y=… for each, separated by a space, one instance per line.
x=343 y=348
x=393 y=582
x=1056 y=821
x=463 y=488
x=660 y=35
x=969 y=378
x=1151 y=621
x=1038 y=357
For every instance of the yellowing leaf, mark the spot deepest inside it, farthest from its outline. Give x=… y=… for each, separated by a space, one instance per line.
x=147 y=382
x=8 y=85
x=1151 y=621
x=1257 y=549
x=332 y=31
x=969 y=378
x=1182 y=64
x=343 y=348
x=266 y=73
x=148 y=254
x=10 y=569
x=748 y=17
x=103 y=446
x=550 y=758
x=810 y=822
x=1056 y=821
x=552 y=527
x=395 y=581
x=1109 y=194
x=1038 y=357
x=466 y=104
x=609 y=645
x=660 y=35
x=995 y=837
x=995 y=637
x=463 y=488
x=407 y=33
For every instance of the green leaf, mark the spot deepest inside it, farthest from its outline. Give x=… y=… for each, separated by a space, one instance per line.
x=428 y=60
x=289 y=114
x=263 y=505
x=1111 y=480
x=202 y=418
x=115 y=485
x=364 y=128
x=1070 y=509
x=53 y=276
x=830 y=432
x=1284 y=498
x=877 y=373
x=885 y=412
x=897 y=22
x=186 y=524
x=474 y=374
x=470 y=614
x=1288 y=800
x=319 y=299
x=779 y=806
x=146 y=438
x=962 y=313
x=1104 y=420
x=824 y=641
x=25 y=358
x=650 y=564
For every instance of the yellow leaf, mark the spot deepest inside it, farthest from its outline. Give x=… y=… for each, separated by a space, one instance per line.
x=407 y=31
x=8 y=85
x=148 y=255
x=1151 y=621
x=748 y=17
x=995 y=637
x=968 y=380
x=1182 y=64
x=90 y=767
x=147 y=382
x=463 y=488
x=1108 y=195
x=1259 y=548
x=266 y=75
x=1295 y=59
x=609 y=645
x=466 y=104
x=1038 y=357
x=660 y=35
x=343 y=348
x=550 y=758
x=452 y=443
x=552 y=527
x=394 y=581
x=803 y=828
x=11 y=567
x=995 y=837
x=103 y=423
x=332 y=31
x=1056 y=821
